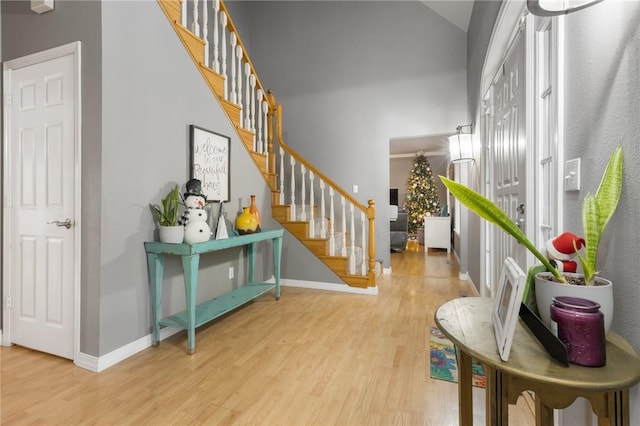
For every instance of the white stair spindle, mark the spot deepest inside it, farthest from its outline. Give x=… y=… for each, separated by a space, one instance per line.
x=223 y=46
x=247 y=95
x=281 y=177
x=332 y=234
x=265 y=129
x=292 y=161
x=234 y=92
x=252 y=104
x=258 y=134
x=343 y=237
x=323 y=225
x=352 y=242
x=240 y=82
x=312 y=227
x=303 y=192
x=183 y=14
x=205 y=31
x=195 y=26
x=363 y=267
x=214 y=62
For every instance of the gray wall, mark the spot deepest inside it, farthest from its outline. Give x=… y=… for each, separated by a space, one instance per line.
x=602 y=110
x=135 y=146
x=602 y=105
x=352 y=75
x=481 y=24
x=25 y=32
x=152 y=92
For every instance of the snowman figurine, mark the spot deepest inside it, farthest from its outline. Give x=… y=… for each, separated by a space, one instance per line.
x=194 y=219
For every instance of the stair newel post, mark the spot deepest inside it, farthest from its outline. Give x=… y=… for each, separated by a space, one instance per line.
x=292 y=161
x=323 y=226
x=258 y=129
x=312 y=227
x=332 y=233
x=205 y=31
x=183 y=13
x=371 y=215
x=281 y=175
x=214 y=63
x=343 y=237
x=265 y=145
x=223 y=46
x=195 y=26
x=363 y=239
x=352 y=241
x=303 y=192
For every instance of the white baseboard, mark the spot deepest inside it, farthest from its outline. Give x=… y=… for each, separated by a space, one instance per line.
x=98 y=364
x=329 y=287
x=386 y=271
x=464 y=276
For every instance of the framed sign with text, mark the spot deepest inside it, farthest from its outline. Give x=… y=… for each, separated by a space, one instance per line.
x=210 y=162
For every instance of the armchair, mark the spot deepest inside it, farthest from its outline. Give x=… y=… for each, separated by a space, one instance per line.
x=399 y=231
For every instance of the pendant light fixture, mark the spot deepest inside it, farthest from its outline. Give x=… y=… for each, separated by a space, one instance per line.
x=461 y=145
x=558 y=7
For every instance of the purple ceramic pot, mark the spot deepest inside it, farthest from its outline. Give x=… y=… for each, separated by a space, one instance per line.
x=579 y=324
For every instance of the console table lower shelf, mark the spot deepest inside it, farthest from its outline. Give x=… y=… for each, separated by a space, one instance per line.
x=219 y=306
x=197 y=315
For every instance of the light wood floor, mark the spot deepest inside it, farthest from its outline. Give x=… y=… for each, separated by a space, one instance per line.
x=314 y=357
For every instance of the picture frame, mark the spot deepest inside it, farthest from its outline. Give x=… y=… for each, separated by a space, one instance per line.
x=506 y=305
x=210 y=154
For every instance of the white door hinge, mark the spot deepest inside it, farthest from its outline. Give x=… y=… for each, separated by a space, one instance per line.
x=9 y=302
x=8 y=101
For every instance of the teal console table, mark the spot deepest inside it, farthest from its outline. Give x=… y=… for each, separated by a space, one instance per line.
x=194 y=316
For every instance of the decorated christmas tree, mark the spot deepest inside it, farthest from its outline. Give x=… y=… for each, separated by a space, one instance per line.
x=422 y=194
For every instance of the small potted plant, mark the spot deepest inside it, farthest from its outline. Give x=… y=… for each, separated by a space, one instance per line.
x=596 y=211
x=167 y=217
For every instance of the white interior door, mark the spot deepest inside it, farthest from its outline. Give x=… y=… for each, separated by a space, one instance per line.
x=509 y=154
x=41 y=231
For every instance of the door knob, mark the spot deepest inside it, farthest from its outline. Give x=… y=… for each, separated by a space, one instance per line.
x=66 y=223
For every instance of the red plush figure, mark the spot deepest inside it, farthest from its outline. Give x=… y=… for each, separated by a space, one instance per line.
x=563 y=248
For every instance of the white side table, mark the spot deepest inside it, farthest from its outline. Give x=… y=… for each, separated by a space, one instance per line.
x=437 y=232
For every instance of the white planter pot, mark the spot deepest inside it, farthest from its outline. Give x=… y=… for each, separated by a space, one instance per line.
x=171 y=234
x=601 y=293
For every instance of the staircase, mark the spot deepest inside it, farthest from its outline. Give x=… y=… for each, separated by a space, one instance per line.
x=333 y=225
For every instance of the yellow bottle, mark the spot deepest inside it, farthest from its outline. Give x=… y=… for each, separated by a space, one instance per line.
x=246 y=223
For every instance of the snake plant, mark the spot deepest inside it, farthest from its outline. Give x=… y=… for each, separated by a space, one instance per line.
x=596 y=211
x=487 y=210
x=168 y=214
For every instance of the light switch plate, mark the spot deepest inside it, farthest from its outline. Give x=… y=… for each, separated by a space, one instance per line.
x=572 y=175
x=355 y=189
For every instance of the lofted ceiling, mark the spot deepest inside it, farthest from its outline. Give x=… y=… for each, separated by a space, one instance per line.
x=431 y=145
x=458 y=12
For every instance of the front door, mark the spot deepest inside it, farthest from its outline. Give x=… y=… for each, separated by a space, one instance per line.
x=509 y=153
x=41 y=217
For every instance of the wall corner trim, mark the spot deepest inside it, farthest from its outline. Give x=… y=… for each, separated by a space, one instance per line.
x=373 y=291
x=98 y=364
